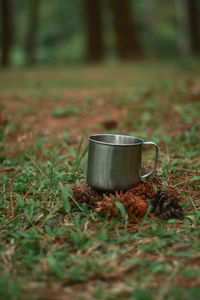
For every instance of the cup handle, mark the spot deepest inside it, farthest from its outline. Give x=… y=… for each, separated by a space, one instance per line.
x=156 y=159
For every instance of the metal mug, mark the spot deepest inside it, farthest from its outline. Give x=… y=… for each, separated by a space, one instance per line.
x=114 y=161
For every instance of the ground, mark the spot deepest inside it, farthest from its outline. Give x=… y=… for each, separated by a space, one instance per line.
x=50 y=249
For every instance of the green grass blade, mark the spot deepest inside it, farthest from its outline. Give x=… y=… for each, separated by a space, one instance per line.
x=65 y=198
x=122 y=210
x=80 y=158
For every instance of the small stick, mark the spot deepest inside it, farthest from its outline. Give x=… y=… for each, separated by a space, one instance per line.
x=27 y=192
x=12 y=204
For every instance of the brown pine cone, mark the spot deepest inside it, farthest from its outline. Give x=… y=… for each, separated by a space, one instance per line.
x=135 y=206
x=153 y=178
x=156 y=180
x=166 y=206
x=85 y=194
x=145 y=190
x=139 y=208
x=108 y=203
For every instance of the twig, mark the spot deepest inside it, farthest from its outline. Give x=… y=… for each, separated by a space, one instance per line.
x=184 y=181
x=27 y=192
x=7 y=169
x=12 y=204
x=8 y=222
x=189 y=170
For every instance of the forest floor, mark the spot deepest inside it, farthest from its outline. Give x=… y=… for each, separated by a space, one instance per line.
x=48 y=251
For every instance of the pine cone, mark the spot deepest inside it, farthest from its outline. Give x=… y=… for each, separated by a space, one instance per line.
x=156 y=180
x=139 y=207
x=145 y=190
x=166 y=205
x=153 y=178
x=107 y=204
x=135 y=206
x=85 y=194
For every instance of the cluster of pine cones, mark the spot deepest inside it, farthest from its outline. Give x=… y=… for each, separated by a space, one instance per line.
x=164 y=203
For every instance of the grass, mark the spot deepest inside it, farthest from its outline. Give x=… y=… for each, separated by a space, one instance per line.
x=51 y=248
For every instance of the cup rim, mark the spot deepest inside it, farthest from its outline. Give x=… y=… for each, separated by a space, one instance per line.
x=92 y=139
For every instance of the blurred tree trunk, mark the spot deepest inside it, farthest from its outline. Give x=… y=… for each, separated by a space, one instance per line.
x=31 y=39
x=127 y=42
x=194 y=25
x=182 y=27
x=6 y=32
x=94 y=30
x=149 y=20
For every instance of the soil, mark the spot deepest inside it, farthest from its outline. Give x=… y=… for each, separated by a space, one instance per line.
x=32 y=119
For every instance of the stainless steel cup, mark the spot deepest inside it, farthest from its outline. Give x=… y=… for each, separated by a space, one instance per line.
x=114 y=161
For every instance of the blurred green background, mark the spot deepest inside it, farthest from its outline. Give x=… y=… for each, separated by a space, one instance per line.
x=65 y=31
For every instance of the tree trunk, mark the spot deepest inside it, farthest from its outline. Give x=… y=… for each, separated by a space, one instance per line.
x=194 y=26
x=31 y=40
x=149 y=21
x=128 y=45
x=6 y=32
x=95 y=47
x=182 y=28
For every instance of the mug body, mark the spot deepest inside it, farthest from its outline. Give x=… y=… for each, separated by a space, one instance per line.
x=114 y=161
